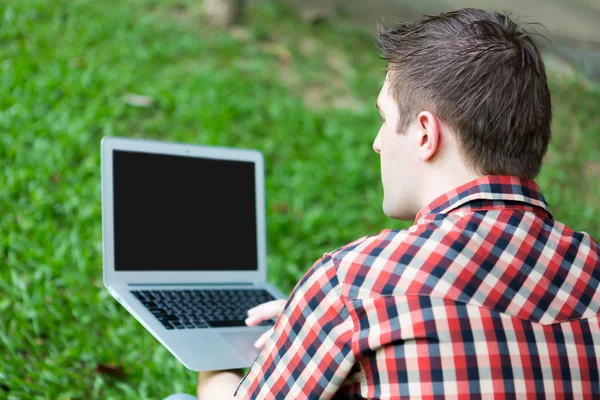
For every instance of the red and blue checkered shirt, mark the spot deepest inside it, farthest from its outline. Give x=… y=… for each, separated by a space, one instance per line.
x=486 y=296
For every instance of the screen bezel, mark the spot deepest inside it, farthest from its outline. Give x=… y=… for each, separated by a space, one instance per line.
x=109 y=144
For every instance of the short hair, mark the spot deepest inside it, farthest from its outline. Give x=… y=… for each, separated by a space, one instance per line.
x=483 y=76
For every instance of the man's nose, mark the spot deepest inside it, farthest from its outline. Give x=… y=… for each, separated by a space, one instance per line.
x=377 y=144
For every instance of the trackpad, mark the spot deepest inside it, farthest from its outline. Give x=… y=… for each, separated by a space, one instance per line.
x=243 y=343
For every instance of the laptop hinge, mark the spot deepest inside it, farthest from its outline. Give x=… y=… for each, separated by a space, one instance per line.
x=195 y=284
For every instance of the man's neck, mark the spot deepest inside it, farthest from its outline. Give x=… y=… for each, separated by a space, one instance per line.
x=443 y=183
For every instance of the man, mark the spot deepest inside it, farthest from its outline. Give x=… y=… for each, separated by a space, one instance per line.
x=486 y=295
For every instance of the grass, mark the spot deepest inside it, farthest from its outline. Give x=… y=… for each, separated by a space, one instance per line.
x=302 y=94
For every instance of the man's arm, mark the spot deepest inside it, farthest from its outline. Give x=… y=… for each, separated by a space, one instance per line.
x=222 y=384
x=309 y=353
x=218 y=384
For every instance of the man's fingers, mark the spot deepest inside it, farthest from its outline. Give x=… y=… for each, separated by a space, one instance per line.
x=269 y=307
x=260 y=342
x=263 y=312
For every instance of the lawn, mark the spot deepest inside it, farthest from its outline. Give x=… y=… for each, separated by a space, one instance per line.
x=302 y=94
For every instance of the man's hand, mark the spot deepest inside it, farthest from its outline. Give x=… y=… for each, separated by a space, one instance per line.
x=222 y=384
x=263 y=312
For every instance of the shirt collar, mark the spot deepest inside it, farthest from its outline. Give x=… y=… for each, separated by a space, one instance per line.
x=489 y=187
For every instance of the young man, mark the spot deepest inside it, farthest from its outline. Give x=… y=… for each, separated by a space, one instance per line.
x=486 y=295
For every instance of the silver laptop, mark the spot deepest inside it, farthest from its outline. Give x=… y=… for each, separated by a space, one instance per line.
x=184 y=245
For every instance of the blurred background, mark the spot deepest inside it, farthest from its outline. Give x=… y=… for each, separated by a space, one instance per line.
x=296 y=80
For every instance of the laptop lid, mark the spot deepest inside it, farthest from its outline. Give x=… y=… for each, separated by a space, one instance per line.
x=177 y=213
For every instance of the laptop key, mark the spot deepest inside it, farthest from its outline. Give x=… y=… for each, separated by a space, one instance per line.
x=168 y=326
x=167 y=317
x=224 y=324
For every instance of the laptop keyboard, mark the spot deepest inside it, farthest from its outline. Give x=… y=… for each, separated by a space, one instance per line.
x=195 y=309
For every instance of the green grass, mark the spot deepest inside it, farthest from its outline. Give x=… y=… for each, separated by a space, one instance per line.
x=302 y=94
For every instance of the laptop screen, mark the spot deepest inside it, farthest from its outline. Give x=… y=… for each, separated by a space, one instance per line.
x=176 y=213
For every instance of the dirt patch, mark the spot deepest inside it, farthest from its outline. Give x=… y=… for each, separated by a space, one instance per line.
x=339 y=64
x=591 y=176
x=591 y=170
x=308 y=46
x=331 y=96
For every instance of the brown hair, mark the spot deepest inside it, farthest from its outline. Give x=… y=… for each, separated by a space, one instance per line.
x=482 y=75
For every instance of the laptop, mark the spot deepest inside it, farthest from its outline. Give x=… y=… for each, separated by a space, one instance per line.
x=184 y=245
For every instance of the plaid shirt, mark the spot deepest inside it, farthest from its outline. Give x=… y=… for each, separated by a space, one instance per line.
x=485 y=296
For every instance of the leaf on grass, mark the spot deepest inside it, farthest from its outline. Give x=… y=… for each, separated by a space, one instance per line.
x=77 y=62
x=56 y=178
x=110 y=369
x=280 y=207
x=39 y=341
x=278 y=50
x=137 y=100
x=240 y=33
x=314 y=17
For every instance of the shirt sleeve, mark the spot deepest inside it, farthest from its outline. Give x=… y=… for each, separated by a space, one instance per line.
x=309 y=354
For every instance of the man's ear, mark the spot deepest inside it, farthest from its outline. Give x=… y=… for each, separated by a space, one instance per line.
x=429 y=135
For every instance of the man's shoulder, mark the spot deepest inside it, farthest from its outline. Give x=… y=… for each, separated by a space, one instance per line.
x=363 y=258
x=365 y=243
x=384 y=243
x=471 y=258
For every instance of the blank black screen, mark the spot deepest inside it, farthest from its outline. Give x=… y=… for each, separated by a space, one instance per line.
x=175 y=213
